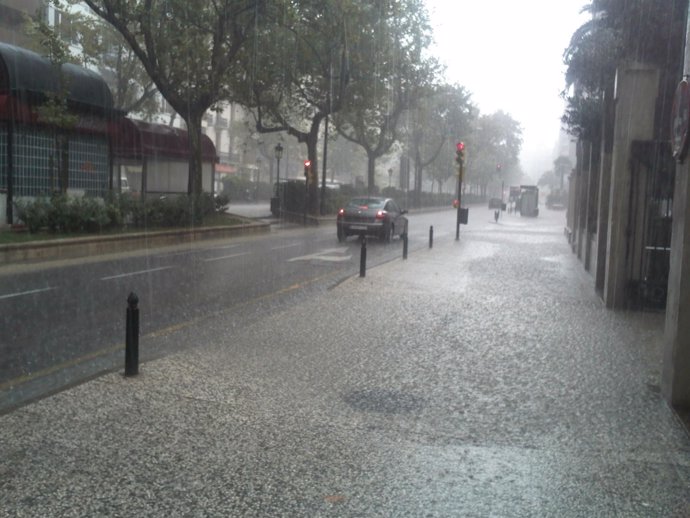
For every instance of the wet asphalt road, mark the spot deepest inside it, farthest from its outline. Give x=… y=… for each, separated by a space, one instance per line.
x=479 y=378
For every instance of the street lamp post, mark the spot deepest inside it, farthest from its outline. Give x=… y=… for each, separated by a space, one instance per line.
x=278 y=153
x=390 y=177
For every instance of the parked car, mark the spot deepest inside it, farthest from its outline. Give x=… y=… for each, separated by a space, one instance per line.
x=372 y=216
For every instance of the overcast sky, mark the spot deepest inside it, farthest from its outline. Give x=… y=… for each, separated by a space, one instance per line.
x=509 y=54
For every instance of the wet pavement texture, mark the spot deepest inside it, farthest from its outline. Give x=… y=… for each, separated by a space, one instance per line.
x=479 y=378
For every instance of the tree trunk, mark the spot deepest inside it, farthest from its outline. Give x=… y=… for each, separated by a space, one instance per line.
x=194 y=176
x=194 y=179
x=417 y=181
x=313 y=178
x=371 y=172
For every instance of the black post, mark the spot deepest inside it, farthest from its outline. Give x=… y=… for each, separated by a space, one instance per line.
x=306 y=198
x=457 y=224
x=9 y=216
x=431 y=236
x=457 y=218
x=404 y=245
x=363 y=258
x=132 y=336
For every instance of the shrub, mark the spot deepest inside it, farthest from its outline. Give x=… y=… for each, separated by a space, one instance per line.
x=61 y=213
x=221 y=202
x=34 y=213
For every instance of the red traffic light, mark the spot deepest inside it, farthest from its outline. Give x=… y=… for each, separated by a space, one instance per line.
x=460 y=153
x=307 y=163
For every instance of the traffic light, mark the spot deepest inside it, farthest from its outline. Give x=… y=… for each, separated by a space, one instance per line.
x=460 y=153
x=307 y=168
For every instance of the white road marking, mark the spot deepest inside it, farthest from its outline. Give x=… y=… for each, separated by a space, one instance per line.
x=208 y=260
x=324 y=255
x=30 y=292
x=225 y=247
x=286 y=246
x=140 y=272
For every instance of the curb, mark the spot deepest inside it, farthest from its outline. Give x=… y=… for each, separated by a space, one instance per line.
x=73 y=248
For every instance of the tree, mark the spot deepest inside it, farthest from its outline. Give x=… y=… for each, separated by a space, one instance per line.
x=645 y=31
x=294 y=74
x=54 y=110
x=103 y=47
x=389 y=75
x=188 y=48
x=561 y=167
x=433 y=129
x=94 y=43
x=493 y=150
x=548 y=179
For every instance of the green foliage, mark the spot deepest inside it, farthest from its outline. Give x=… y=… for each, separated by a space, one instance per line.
x=35 y=214
x=60 y=213
x=46 y=41
x=335 y=200
x=100 y=45
x=189 y=48
x=647 y=31
x=389 y=75
x=168 y=211
x=64 y=214
x=221 y=202
x=493 y=149
x=432 y=130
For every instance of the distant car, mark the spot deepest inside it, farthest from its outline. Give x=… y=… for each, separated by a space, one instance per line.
x=372 y=216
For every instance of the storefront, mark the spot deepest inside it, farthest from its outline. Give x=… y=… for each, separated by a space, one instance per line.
x=53 y=129
x=154 y=158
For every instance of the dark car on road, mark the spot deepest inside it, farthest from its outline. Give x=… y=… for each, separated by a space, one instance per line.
x=372 y=216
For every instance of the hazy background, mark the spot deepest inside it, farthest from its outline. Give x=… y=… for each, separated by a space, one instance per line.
x=510 y=56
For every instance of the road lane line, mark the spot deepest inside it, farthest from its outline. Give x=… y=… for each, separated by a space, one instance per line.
x=325 y=255
x=140 y=272
x=30 y=292
x=283 y=247
x=208 y=260
x=225 y=247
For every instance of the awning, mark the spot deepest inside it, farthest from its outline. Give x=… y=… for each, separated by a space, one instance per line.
x=225 y=169
x=19 y=112
x=137 y=139
x=32 y=78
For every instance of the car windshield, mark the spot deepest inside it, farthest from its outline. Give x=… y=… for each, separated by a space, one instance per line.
x=367 y=203
x=344 y=258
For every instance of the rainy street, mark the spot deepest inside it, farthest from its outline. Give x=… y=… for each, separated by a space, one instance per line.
x=477 y=378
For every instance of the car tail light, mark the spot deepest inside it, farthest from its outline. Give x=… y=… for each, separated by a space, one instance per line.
x=341 y=213
x=381 y=214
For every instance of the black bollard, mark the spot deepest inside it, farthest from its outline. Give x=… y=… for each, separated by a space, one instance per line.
x=132 y=336
x=431 y=236
x=404 y=237
x=363 y=258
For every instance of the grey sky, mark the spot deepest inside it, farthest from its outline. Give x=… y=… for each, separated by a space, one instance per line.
x=510 y=56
